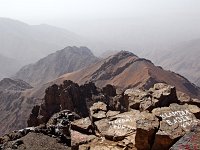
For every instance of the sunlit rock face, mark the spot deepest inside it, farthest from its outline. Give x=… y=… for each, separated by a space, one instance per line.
x=87 y=117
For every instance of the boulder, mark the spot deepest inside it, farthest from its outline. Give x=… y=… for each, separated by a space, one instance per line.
x=147 y=125
x=176 y=120
x=186 y=99
x=112 y=113
x=134 y=97
x=83 y=125
x=98 y=111
x=61 y=121
x=109 y=90
x=78 y=138
x=160 y=95
x=116 y=128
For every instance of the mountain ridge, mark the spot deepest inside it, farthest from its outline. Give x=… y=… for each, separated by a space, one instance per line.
x=123 y=70
x=56 y=64
x=132 y=66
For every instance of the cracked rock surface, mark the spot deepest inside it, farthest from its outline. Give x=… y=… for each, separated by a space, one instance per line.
x=154 y=119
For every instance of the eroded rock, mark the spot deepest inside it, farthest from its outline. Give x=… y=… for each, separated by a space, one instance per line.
x=116 y=128
x=83 y=125
x=160 y=95
x=79 y=138
x=147 y=125
x=98 y=111
x=176 y=120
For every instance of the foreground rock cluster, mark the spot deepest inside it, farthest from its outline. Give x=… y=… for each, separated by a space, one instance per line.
x=88 y=118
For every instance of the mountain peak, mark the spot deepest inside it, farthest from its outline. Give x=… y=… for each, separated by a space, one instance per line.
x=56 y=64
x=124 y=54
x=126 y=70
x=82 y=50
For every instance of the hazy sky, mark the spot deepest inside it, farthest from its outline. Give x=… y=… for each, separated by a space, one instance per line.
x=146 y=23
x=46 y=11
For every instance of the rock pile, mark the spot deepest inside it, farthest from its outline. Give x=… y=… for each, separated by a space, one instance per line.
x=79 y=99
x=159 y=96
x=53 y=135
x=86 y=117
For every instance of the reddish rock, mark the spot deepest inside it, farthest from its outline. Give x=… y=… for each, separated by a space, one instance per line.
x=159 y=96
x=79 y=138
x=189 y=141
x=33 y=120
x=147 y=125
x=134 y=97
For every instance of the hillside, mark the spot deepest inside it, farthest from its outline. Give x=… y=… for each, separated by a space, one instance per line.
x=123 y=70
x=56 y=64
x=24 y=44
x=12 y=104
x=13 y=85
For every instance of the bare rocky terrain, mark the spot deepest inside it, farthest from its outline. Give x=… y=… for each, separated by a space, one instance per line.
x=11 y=103
x=56 y=64
x=123 y=70
x=86 y=117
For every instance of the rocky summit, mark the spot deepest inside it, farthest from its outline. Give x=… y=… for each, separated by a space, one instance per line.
x=123 y=70
x=126 y=70
x=90 y=118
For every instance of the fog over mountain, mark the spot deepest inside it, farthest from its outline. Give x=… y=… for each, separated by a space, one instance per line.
x=99 y=74
x=136 y=25
x=8 y=66
x=150 y=29
x=184 y=59
x=28 y=43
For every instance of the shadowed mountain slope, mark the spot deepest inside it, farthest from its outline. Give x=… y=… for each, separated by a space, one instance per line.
x=56 y=64
x=123 y=70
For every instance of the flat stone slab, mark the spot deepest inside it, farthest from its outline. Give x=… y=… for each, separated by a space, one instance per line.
x=118 y=127
x=176 y=121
